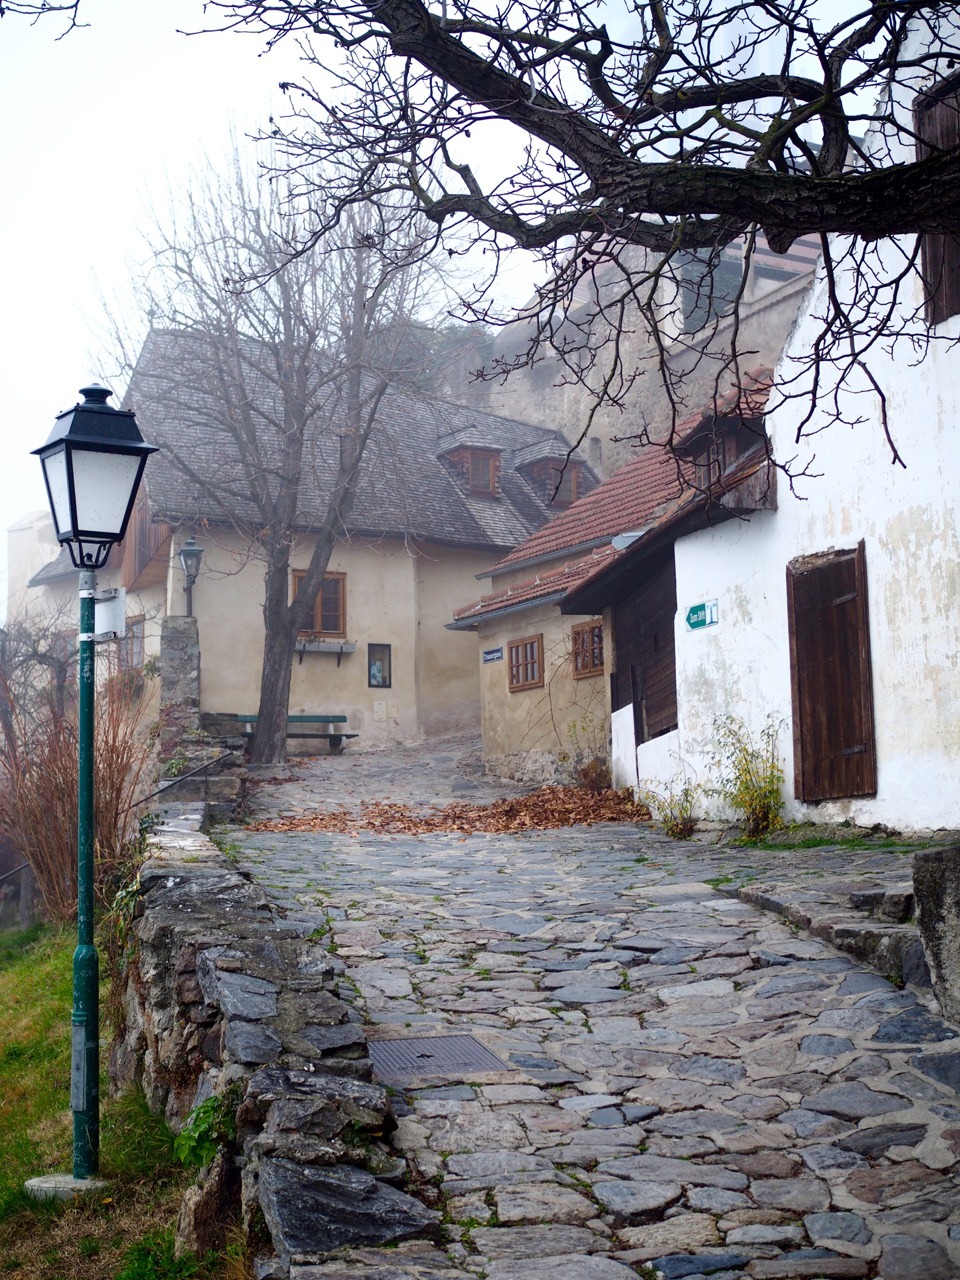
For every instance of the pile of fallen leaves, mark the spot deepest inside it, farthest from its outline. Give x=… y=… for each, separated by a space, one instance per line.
x=542 y=809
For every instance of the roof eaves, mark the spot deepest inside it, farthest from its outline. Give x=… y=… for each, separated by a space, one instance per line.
x=472 y=622
x=55 y=571
x=558 y=553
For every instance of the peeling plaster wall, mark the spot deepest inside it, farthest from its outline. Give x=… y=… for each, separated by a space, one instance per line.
x=907 y=518
x=908 y=521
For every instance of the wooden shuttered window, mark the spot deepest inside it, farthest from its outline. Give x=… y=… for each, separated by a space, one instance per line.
x=937 y=117
x=587 y=644
x=646 y=670
x=330 y=606
x=525 y=669
x=835 y=753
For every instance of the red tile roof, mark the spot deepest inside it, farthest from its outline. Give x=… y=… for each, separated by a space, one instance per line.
x=626 y=501
x=632 y=496
x=559 y=581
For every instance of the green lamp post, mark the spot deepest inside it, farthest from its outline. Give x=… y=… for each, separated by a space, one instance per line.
x=92 y=466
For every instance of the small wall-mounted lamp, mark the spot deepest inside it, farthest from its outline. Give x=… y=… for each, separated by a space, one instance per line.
x=190 y=555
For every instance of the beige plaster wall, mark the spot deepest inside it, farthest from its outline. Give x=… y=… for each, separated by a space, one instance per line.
x=539 y=735
x=448 y=684
x=396 y=594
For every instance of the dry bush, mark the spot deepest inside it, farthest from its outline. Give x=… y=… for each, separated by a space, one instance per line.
x=39 y=776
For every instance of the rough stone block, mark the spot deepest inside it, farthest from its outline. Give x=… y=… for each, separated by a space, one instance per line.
x=936 y=882
x=312 y=1209
x=207 y=1207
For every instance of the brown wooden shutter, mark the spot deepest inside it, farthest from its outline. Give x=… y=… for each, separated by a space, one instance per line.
x=658 y=667
x=646 y=672
x=937 y=117
x=834 y=743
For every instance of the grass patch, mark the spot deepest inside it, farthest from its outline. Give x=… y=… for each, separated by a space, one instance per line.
x=852 y=843
x=126 y=1230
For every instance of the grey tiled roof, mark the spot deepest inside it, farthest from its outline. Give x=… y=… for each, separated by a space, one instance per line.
x=405 y=486
x=551 y=450
x=61 y=567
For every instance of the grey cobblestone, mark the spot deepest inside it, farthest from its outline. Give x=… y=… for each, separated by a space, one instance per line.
x=675 y=1055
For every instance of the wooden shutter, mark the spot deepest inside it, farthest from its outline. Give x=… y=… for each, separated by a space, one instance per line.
x=646 y=673
x=834 y=744
x=937 y=116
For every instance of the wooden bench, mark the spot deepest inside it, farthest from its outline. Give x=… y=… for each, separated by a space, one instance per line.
x=307 y=727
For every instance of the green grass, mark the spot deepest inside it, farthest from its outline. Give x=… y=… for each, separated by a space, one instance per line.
x=126 y=1230
x=35 y=1000
x=14 y=943
x=853 y=843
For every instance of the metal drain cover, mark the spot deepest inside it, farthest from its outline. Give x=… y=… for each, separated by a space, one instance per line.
x=415 y=1056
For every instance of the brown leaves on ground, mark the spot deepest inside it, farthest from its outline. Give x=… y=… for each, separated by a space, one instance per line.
x=546 y=808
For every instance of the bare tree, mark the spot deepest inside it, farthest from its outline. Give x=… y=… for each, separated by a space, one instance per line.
x=627 y=141
x=38 y=756
x=278 y=360
x=617 y=140
x=68 y=11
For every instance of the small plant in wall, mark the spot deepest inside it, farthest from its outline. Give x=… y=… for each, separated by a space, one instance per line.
x=750 y=774
x=209 y=1126
x=673 y=804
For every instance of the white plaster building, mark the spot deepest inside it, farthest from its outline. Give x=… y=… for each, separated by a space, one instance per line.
x=836 y=613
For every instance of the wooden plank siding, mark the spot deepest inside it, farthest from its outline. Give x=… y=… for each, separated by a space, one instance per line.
x=937 y=119
x=830 y=675
x=646 y=670
x=145 y=551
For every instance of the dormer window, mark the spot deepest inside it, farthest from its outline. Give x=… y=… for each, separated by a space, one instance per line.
x=477 y=469
x=482 y=472
x=708 y=462
x=715 y=451
x=570 y=486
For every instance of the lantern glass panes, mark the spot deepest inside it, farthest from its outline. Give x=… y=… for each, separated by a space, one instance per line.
x=190 y=556
x=92 y=465
x=58 y=487
x=104 y=487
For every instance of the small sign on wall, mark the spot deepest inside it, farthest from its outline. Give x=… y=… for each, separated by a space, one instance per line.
x=704 y=614
x=493 y=655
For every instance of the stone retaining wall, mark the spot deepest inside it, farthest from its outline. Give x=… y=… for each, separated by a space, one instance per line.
x=226 y=995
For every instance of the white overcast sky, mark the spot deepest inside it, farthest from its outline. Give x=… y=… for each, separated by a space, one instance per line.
x=96 y=127
x=93 y=124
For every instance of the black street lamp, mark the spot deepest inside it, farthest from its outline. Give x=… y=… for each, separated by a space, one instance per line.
x=92 y=465
x=190 y=555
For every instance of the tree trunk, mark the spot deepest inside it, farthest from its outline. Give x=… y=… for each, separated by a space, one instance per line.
x=269 y=745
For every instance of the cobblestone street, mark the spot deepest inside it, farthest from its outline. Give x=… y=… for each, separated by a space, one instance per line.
x=688 y=1084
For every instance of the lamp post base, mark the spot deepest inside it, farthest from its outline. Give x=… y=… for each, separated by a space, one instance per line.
x=62 y=1186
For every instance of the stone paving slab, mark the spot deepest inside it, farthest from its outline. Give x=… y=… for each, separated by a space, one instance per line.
x=708 y=1091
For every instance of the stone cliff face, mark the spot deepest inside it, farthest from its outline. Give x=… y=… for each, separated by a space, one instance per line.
x=224 y=995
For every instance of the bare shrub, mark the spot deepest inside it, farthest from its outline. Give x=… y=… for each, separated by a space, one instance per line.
x=39 y=772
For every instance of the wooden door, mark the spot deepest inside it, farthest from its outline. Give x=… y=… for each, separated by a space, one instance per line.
x=834 y=743
x=646 y=672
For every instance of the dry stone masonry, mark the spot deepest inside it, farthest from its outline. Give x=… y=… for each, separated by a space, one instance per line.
x=185 y=744
x=226 y=994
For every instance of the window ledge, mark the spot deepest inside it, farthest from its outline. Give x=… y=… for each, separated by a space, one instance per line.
x=325 y=646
